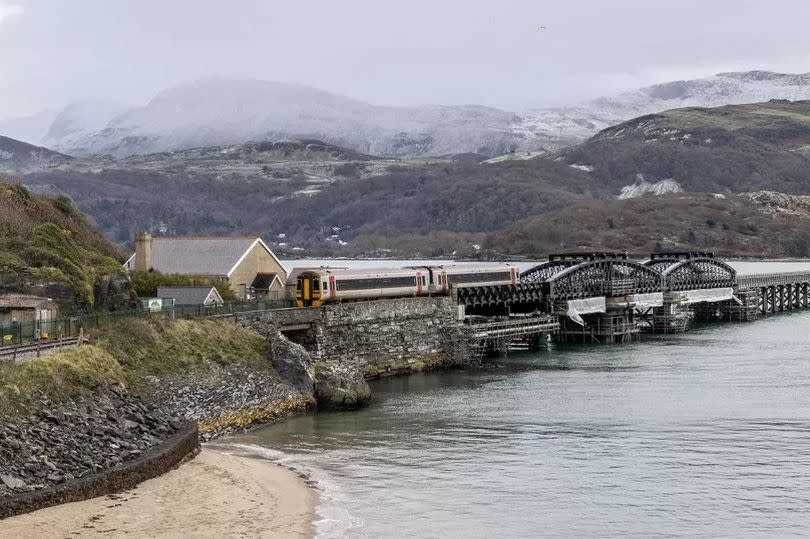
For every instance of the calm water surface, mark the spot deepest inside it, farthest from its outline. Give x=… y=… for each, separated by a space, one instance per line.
x=703 y=434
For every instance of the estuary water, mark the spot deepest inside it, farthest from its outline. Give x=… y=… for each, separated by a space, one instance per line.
x=702 y=434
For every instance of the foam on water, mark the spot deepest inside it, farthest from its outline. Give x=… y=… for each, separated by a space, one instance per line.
x=333 y=518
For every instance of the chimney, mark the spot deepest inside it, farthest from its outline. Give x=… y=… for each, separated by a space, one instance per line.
x=143 y=252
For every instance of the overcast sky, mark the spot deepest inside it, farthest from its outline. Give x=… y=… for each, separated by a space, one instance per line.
x=420 y=51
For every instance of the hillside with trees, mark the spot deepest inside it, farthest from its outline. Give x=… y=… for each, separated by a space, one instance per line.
x=48 y=248
x=310 y=197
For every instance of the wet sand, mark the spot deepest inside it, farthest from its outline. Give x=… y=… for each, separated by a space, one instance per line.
x=213 y=495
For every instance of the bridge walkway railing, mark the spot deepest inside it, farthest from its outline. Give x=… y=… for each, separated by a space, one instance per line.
x=772 y=279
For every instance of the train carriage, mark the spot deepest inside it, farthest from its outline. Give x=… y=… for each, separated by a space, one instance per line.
x=317 y=286
x=442 y=278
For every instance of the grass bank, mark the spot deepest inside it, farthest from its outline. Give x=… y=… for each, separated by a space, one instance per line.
x=129 y=351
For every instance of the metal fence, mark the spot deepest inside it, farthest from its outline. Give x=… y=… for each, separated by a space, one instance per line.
x=17 y=333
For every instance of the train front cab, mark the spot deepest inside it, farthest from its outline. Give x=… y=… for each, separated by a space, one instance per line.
x=308 y=290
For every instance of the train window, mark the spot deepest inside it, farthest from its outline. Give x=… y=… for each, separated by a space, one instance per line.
x=316 y=285
x=480 y=277
x=325 y=286
x=379 y=282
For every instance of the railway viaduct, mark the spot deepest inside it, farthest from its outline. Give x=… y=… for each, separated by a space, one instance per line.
x=571 y=298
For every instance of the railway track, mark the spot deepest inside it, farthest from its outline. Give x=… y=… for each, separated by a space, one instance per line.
x=35 y=349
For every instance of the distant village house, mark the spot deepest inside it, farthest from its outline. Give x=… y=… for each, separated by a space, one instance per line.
x=246 y=264
x=190 y=295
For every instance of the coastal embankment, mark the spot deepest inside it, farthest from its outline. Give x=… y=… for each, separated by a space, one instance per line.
x=118 y=411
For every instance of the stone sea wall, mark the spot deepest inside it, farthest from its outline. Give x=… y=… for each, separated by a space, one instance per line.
x=384 y=337
x=106 y=442
x=332 y=351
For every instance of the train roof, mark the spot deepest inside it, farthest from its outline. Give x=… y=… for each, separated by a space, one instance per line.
x=469 y=268
x=367 y=272
x=489 y=265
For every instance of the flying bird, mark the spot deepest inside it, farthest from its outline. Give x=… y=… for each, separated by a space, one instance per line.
x=543 y=28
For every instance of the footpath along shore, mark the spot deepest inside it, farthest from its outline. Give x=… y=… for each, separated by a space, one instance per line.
x=213 y=495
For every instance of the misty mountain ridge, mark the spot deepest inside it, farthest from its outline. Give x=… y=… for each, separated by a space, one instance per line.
x=565 y=126
x=308 y=190
x=16 y=155
x=220 y=111
x=216 y=111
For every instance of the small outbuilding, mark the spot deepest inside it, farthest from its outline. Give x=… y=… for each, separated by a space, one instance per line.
x=25 y=309
x=191 y=295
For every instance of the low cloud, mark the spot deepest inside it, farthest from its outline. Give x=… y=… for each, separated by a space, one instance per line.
x=8 y=11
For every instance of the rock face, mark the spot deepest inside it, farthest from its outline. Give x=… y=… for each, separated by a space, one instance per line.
x=341 y=389
x=61 y=442
x=114 y=292
x=291 y=361
x=335 y=387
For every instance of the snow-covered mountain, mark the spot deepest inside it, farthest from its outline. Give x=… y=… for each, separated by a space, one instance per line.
x=559 y=127
x=225 y=111
x=74 y=121
x=220 y=111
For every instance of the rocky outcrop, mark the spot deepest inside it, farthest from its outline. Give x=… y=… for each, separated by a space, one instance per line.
x=773 y=202
x=114 y=293
x=291 y=360
x=333 y=386
x=340 y=388
x=61 y=442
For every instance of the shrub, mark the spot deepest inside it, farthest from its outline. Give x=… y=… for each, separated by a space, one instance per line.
x=65 y=205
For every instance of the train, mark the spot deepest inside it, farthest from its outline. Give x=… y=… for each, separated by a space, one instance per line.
x=315 y=286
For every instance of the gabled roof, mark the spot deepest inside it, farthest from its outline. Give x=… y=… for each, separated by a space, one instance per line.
x=201 y=256
x=264 y=281
x=190 y=295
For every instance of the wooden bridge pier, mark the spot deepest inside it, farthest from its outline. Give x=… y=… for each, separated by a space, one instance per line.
x=777 y=292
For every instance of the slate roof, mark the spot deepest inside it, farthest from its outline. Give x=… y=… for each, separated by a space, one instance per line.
x=264 y=281
x=23 y=301
x=199 y=256
x=189 y=295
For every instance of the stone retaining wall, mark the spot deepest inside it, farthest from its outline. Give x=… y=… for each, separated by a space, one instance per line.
x=384 y=337
x=152 y=463
x=376 y=338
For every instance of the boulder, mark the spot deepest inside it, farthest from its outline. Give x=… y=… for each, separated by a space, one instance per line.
x=292 y=362
x=338 y=389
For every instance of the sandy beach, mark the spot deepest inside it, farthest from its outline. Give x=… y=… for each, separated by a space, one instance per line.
x=214 y=495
